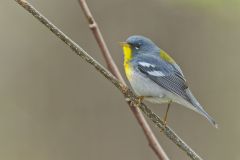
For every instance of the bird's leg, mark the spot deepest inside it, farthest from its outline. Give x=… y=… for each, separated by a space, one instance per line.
x=166 y=114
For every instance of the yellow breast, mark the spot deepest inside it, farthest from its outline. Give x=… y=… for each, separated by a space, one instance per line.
x=128 y=71
x=127 y=57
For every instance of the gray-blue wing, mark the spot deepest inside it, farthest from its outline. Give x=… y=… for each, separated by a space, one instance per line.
x=165 y=75
x=170 y=78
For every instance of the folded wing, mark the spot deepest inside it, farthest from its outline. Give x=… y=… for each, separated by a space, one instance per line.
x=165 y=75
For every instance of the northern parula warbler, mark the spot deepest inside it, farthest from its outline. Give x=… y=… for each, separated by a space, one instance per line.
x=156 y=77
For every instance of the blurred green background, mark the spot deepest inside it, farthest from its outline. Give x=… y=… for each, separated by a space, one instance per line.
x=55 y=106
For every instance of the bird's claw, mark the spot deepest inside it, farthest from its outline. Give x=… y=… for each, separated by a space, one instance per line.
x=138 y=101
x=164 y=126
x=124 y=89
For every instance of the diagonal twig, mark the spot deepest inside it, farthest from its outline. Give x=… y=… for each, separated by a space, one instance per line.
x=152 y=140
x=128 y=94
x=100 y=41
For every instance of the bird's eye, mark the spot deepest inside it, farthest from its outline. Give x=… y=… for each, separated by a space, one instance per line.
x=137 y=46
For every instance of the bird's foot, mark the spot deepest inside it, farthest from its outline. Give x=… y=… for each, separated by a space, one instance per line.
x=124 y=89
x=164 y=126
x=139 y=101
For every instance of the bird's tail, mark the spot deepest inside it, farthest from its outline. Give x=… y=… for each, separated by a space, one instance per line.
x=198 y=108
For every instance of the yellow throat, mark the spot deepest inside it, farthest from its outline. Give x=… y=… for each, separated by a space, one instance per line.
x=127 y=57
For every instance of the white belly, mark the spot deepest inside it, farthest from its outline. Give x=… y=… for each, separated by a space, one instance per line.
x=152 y=92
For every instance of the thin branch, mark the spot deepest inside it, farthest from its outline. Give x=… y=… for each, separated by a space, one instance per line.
x=152 y=140
x=101 y=43
x=128 y=94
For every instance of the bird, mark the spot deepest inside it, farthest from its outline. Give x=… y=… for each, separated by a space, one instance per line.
x=156 y=77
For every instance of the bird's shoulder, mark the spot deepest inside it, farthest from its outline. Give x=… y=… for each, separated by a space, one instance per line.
x=166 y=57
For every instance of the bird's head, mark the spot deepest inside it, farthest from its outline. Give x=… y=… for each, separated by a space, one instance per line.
x=136 y=44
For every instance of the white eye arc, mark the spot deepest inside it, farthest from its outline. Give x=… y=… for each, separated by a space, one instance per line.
x=137 y=47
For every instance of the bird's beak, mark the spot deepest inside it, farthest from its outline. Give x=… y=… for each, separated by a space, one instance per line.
x=124 y=44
